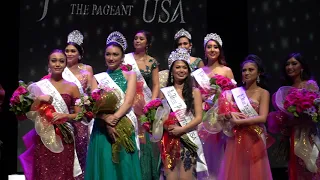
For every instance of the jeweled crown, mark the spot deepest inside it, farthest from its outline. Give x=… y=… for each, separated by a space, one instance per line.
x=182 y=32
x=118 y=38
x=179 y=54
x=212 y=36
x=75 y=37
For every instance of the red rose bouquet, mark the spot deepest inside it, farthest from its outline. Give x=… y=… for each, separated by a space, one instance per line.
x=126 y=67
x=303 y=102
x=21 y=101
x=149 y=111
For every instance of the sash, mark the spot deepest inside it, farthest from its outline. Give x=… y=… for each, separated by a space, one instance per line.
x=179 y=107
x=61 y=107
x=129 y=59
x=69 y=76
x=243 y=102
x=105 y=80
x=203 y=80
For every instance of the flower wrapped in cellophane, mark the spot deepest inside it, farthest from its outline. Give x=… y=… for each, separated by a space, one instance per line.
x=21 y=101
x=107 y=101
x=51 y=132
x=86 y=103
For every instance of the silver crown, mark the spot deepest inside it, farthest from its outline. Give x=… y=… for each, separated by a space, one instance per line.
x=118 y=38
x=182 y=32
x=75 y=37
x=212 y=36
x=179 y=54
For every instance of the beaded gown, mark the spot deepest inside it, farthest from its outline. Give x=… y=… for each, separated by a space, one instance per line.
x=99 y=164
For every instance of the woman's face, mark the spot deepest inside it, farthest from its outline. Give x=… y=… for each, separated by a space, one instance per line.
x=184 y=43
x=212 y=50
x=72 y=54
x=180 y=70
x=57 y=62
x=293 y=68
x=249 y=72
x=140 y=41
x=113 y=57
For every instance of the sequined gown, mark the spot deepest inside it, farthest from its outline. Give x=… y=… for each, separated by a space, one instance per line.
x=245 y=156
x=53 y=166
x=149 y=154
x=99 y=164
x=194 y=65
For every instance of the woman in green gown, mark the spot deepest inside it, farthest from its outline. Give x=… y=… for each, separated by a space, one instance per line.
x=100 y=161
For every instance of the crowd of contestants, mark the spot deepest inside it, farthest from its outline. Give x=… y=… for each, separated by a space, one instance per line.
x=233 y=146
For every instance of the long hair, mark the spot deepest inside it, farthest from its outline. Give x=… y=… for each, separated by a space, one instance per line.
x=221 y=58
x=258 y=62
x=187 y=87
x=305 y=75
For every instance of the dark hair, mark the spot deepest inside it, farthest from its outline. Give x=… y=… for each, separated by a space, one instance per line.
x=252 y=58
x=305 y=75
x=78 y=47
x=57 y=51
x=148 y=36
x=221 y=58
x=116 y=45
x=187 y=87
x=176 y=42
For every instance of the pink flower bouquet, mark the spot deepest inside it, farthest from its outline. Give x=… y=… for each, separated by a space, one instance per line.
x=21 y=101
x=149 y=111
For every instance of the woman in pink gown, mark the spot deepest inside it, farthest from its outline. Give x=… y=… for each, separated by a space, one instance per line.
x=244 y=111
x=299 y=152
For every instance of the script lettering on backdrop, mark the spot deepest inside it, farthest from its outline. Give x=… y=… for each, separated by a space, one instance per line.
x=162 y=10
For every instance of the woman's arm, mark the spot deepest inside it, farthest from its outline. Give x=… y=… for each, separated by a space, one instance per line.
x=155 y=82
x=130 y=93
x=263 y=112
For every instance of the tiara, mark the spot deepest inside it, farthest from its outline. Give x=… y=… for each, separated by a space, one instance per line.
x=182 y=32
x=212 y=36
x=75 y=37
x=118 y=38
x=179 y=54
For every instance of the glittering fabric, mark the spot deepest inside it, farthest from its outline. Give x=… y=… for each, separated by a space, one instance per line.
x=54 y=166
x=81 y=141
x=194 y=65
x=118 y=77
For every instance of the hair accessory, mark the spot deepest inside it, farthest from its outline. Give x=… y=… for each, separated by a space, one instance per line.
x=118 y=38
x=75 y=37
x=212 y=36
x=179 y=54
x=182 y=32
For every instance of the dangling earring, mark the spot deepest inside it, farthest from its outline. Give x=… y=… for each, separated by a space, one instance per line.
x=171 y=78
x=79 y=57
x=243 y=82
x=189 y=51
x=147 y=50
x=301 y=72
x=258 y=79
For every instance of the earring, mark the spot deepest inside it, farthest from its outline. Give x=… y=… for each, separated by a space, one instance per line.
x=301 y=72
x=189 y=51
x=243 y=82
x=147 y=50
x=171 y=78
x=79 y=57
x=258 y=79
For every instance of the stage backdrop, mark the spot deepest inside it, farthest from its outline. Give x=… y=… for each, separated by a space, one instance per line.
x=45 y=25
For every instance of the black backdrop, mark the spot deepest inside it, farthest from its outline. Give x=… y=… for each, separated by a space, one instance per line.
x=243 y=26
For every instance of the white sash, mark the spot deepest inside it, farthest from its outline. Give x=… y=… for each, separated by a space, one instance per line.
x=129 y=59
x=243 y=102
x=61 y=107
x=179 y=107
x=203 y=80
x=69 y=76
x=105 y=80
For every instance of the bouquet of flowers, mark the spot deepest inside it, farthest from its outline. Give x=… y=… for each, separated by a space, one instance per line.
x=149 y=111
x=303 y=102
x=86 y=103
x=126 y=67
x=107 y=101
x=21 y=101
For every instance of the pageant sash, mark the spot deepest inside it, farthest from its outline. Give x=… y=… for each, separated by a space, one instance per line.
x=202 y=79
x=129 y=59
x=105 y=80
x=179 y=107
x=60 y=107
x=69 y=76
x=243 y=102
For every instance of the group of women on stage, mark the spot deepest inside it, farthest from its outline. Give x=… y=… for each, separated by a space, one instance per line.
x=214 y=128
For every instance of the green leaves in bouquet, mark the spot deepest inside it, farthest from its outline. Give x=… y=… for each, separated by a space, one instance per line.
x=213 y=81
x=151 y=115
x=293 y=110
x=143 y=119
